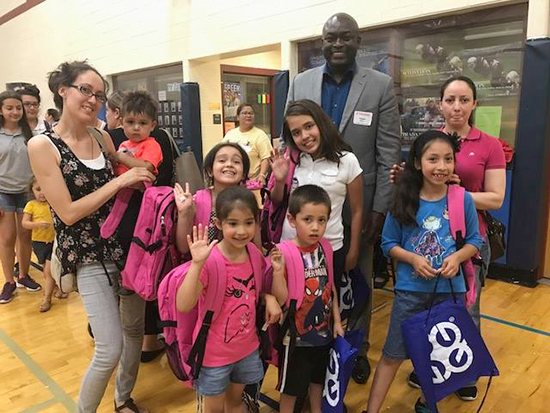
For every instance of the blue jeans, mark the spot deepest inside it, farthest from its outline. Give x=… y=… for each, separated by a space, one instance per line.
x=213 y=381
x=118 y=325
x=13 y=202
x=407 y=304
x=481 y=274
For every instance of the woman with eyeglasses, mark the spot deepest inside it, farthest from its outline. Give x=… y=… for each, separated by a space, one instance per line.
x=254 y=141
x=76 y=176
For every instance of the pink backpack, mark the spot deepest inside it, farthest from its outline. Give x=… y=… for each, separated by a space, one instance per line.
x=186 y=355
x=296 y=286
x=122 y=200
x=273 y=216
x=152 y=252
x=203 y=207
x=457 y=222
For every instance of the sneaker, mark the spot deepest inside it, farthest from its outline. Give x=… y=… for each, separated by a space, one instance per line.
x=250 y=404
x=7 y=293
x=361 y=371
x=468 y=394
x=421 y=407
x=28 y=283
x=413 y=381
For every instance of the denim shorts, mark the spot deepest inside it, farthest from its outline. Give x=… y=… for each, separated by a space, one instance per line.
x=13 y=202
x=43 y=251
x=213 y=381
x=405 y=305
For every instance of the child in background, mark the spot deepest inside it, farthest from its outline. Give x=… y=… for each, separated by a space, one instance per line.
x=139 y=118
x=139 y=114
x=417 y=234
x=231 y=358
x=317 y=320
x=226 y=165
x=37 y=218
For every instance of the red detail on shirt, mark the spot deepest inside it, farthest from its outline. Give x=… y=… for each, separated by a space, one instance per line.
x=147 y=150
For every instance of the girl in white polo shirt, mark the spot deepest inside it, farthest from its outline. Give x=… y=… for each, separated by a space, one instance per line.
x=322 y=158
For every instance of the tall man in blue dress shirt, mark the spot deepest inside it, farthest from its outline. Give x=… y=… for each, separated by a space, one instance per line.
x=362 y=104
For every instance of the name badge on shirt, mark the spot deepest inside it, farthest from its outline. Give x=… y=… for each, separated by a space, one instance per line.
x=362 y=118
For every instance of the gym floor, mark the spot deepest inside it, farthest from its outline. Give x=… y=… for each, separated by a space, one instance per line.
x=44 y=356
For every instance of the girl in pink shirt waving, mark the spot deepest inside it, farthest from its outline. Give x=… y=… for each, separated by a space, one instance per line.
x=231 y=358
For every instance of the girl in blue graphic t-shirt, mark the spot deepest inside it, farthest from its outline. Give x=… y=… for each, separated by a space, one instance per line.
x=417 y=234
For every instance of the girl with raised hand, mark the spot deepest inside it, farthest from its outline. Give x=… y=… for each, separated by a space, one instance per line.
x=231 y=358
x=225 y=166
x=322 y=158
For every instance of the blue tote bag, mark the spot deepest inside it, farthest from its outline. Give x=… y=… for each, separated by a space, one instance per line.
x=354 y=292
x=446 y=350
x=342 y=358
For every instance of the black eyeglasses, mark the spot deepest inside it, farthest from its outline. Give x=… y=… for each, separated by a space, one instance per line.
x=86 y=91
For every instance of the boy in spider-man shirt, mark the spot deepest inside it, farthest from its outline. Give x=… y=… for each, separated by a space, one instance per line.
x=318 y=317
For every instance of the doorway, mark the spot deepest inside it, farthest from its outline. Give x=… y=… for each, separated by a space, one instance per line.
x=247 y=85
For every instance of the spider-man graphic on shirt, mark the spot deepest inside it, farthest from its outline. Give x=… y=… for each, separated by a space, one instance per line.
x=313 y=316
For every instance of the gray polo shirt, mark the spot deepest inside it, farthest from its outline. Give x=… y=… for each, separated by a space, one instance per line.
x=15 y=168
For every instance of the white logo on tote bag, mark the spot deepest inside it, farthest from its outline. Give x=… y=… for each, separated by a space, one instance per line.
x=454 y=356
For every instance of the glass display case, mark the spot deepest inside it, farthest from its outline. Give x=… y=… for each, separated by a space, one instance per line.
x=163 y=83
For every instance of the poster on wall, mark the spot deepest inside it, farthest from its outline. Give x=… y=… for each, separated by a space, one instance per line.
x=232 y=98
x=492 y=61
x=430 y=60
x=419 y=115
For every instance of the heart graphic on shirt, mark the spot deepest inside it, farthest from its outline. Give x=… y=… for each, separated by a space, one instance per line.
x=239 y=319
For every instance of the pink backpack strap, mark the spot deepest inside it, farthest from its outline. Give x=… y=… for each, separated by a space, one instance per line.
x=294 y=272
x=112 y=221
x=209 y=309
x=122 y=200
x=258 y=267
x=329 y=255
x=455 y=202
x=217 y=282
x=203 y=206
x=457 y=222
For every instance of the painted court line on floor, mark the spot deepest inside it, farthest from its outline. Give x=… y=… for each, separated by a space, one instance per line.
x=501 y=321
x=41 y=406
x=511 y=324
x=59 y=394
